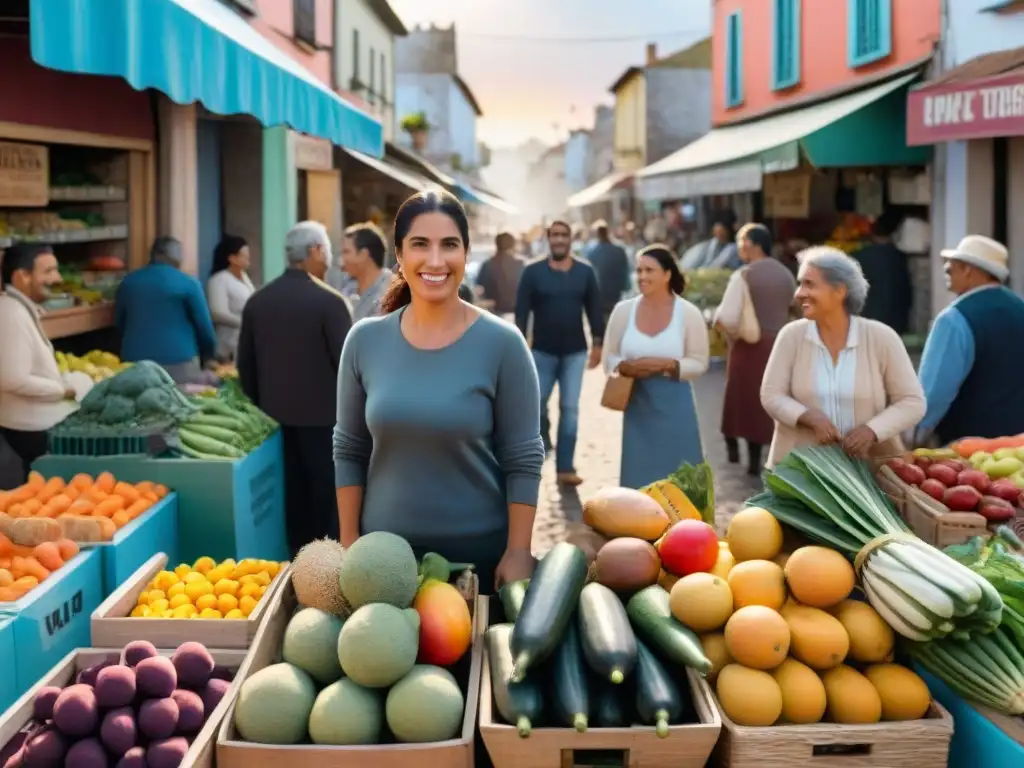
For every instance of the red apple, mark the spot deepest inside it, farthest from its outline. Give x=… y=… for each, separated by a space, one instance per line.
x=956 y=464
x=689 y=546
x=962 y=498
x=923 y=462
x=1005 y=489
x=974 y=477
x=995 y=509
x=908 y=473
x=934 y=488
x=944 y=473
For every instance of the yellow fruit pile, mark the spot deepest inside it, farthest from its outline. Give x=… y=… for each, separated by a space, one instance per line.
x=207 y=590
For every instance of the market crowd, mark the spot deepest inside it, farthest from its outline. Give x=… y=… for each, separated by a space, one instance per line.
x=408 y=404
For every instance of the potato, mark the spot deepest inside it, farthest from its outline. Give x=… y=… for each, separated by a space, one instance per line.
x=137 y=650
x=76 y=712
x=87 y=753
x=42 y=708
x=190 y=710
x=167 y=753
x=46 y=749
x=194 y=665
x=115 y=686
x=133 y=758
x=88 y=675
x=118 y=731
x=158 y=718
x=156 y=677
x=213 y=693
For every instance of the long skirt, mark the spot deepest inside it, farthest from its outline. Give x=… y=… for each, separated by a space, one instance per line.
x=660 y=431
x=743 y=416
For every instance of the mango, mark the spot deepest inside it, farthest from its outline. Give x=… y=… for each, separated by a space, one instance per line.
x=997 y=468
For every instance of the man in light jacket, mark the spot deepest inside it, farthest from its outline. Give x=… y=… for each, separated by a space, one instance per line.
x=33 y=394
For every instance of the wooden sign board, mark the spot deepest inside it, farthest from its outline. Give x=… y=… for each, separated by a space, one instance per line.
x=787 y=196
x=24 y=175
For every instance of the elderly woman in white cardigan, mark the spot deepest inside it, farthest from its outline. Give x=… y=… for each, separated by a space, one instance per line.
x=659 y=340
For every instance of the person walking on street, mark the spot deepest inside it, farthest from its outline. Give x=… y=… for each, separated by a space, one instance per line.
x=969 y=370
x=499 y=275
x=611 y=265
x=887 y=270
x=162 y=315
x=33 y=394
x=557 y=292
x=769 y=287
x=362 y=257
x=289 y=349
x=227 y=291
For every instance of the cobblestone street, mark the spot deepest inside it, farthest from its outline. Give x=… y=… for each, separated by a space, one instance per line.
x=597 y=459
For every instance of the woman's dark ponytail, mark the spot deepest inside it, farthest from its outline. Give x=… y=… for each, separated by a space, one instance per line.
x=397 y=295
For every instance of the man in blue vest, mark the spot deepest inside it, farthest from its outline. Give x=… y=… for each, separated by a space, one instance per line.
x=971 y=369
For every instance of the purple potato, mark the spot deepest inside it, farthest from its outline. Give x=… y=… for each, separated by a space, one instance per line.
x=115 y=687
x=133 y=758
x=88 y=675
x=137 y=650
x=45 y=749
x=167 y=753
x=213 y=693
x=156 y=677
x=190 y=710
x=194 y=665
x=118 y=731
x=42 y=709
x=220 y=672
x=87 y=753
x=158 y=718
x=76 y=712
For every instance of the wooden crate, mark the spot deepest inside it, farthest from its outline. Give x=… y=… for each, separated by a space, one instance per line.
x=937 y=524
x=893 y=487
x=113 y=627
x=200 y=754
x=687 y=746
x=233 y=752
x=912 y=744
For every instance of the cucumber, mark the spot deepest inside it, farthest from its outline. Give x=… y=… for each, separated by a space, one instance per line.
x=658 y=700
x=519 y=704
x=570 y=686
x=610 y=707
x=651 y=617
x=548 y=607
x=609 y=644
x=512 y=596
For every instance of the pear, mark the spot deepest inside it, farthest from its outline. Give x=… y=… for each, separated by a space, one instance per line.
x=1004 y=453
x=1017 y=478
x=979 y=458
x=997 y=468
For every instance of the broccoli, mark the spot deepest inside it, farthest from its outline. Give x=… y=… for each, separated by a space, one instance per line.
x=95 y=398
x=118 y=410
x=132 y=382
x=157 y=401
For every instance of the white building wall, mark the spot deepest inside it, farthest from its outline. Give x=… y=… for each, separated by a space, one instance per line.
x=354 y=18
x=428 y=93
x=462 y=127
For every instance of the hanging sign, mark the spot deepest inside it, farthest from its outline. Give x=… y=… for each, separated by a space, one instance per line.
x=964 y=110
x=24 y=175
x=787 y=196
x=313 y=154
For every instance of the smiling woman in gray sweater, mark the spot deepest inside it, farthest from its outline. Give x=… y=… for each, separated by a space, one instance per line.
x=438 y=433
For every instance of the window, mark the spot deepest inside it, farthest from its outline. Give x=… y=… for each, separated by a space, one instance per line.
x=868 y=31
x=786 y=44
x=734 y=60
x=372 y=85
x=355 y=60
x=305 y=21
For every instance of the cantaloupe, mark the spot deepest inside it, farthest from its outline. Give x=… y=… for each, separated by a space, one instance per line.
x=904 y=695
x=819 y=577
x=379 y=567
x=818 y=638
x=716 y=652
x=757 y=637
x=749 y=696
x=754 y=534
x=871 y=639
x=852 y=699
x=803 y=693
x=701 y=601
x=314 y=575
x=757 y=582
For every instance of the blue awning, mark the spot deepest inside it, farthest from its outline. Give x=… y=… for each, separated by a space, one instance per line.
x=469 y=194
x=196 y=50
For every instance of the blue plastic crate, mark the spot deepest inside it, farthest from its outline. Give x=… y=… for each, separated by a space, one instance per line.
x=154 y=531
x=54 y=618
x=8 y=665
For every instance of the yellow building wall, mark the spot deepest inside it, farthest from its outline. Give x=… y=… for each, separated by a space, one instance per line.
x=631 y=124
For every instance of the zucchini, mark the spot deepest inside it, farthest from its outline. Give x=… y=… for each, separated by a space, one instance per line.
x=570 y=686
x=658 y=700
x=519 y=704
x=609 y=644
x=512 y=596
x=651 y=617
x=609 y=708
x=548 y=607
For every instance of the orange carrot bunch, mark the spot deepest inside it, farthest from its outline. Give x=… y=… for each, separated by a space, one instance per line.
x=23 y=568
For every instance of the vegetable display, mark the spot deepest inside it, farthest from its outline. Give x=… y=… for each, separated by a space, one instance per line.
x=140 y=397
x=23 y=568
x=226 y=426
x=207 y=590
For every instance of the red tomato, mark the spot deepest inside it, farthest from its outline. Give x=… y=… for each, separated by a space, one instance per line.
x=687 y=547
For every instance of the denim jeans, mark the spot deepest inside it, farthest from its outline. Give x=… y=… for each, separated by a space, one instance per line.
x=567 y=372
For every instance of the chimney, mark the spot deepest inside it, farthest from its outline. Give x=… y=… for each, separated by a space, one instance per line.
x=652 y=53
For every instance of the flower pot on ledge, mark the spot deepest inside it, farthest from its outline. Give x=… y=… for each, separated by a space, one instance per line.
x=419 y=139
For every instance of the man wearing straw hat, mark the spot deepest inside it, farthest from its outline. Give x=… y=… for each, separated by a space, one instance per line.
x=972 y=367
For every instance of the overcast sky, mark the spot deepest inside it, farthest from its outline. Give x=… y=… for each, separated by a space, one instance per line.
x=526 y=84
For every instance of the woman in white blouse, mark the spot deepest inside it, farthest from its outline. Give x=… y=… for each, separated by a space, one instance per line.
x=659 y=340
x=227 y=291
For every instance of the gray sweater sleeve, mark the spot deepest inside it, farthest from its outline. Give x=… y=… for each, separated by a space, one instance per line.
x=352 y=441
x=518 y=445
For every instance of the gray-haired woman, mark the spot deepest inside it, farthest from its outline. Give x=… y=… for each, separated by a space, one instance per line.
x=834 y=377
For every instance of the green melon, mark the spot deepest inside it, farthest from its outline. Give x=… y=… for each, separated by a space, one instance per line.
x=346 y=714
x=311 y=644
x=379 y=567
x=378 y=644
x=274 y=704
x=425 y=706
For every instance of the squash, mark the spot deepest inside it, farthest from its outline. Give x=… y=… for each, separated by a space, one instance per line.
x=670 y=497
x=618 y=512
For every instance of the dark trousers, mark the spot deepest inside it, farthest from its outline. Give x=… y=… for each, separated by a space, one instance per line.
x=310 y=502
x=754 y=465
x=29 y=446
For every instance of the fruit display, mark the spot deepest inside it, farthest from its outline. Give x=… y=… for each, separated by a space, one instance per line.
x=207 y=590
x=84 y=509
x=368 y=656
x=138 y=709
x=851 y=234
x=98 y=365
x=23 y=568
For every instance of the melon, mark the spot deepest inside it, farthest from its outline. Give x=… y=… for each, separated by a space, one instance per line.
x=311 y=644
x=379 y=567
x=378 y=644
x=757 y=637
x=904 y=694
x=803 y=693
x=757 y=582
x=701 y=601
x=871 y=639
x=314 y=575
x=715 y=651
x=273 y=705
x=754 y=534
x=818 y=638
x=346 y=714
x=852 y=699
x=819 y=577
x=426 y=706
x=749 y=696
x=615 y=512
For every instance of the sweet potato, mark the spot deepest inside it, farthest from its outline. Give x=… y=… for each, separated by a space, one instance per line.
x=82 y=481
x=127 y=492
x=48 y=554
x=81 y=529
x=68 y=549
x=29 y=531
x=105 y=482
x=58 y=505
x=36 y=481
x=109 y=506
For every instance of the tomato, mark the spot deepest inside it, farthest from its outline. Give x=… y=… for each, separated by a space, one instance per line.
x=688 y=547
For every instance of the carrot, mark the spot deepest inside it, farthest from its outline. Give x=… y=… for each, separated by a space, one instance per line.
x=34 y=568
x=57 y=505
x=105 y=482
x=68 y=549
x=6 y=578
x=5 y=563
x=36 y=481
x=14 y=510
x=109 y=506
x=160 y=491
x=18 y=567
x=31 y=508
x=81 y=507
x=146 y=486
x=72 y=492
x=48 y=555
x=22 y=493
x=82 y=481
x=5 y=500
x=26 y=583
x=21 y=550
x=151 y=497
x=95 y=495
x=126 y=492
x=9 y=595
x=6 y=546
x=138 y=508
x=121 y=519
x=53 y=486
